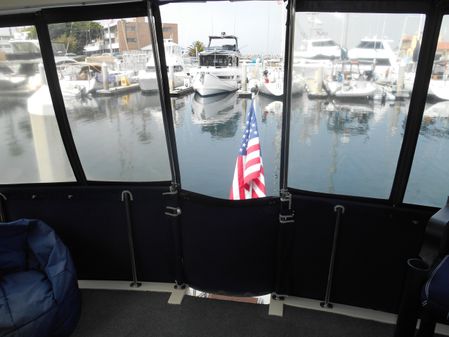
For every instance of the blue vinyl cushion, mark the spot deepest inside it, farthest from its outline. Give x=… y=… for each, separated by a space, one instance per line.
x=39 y=295
x=13 y=248
x=435 y=294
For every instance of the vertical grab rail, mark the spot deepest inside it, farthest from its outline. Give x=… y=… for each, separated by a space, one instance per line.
x=3 y=199
x=127 y=198
x=339 y=209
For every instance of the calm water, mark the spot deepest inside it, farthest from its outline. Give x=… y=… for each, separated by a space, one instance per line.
x=336 y=147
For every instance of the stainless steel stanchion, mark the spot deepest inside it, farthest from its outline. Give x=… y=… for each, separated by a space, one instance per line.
x=339 y=209
x=127 y=198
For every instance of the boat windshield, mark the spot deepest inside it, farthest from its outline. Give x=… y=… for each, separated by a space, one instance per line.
x=176 y=68
x=371 y=45
x=217 y=61
x=222 y=44
x=325 y=43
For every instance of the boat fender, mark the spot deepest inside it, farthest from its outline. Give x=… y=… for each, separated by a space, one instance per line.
x=124 y=81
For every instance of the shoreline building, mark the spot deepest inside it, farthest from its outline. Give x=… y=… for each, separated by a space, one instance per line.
x=123 y=35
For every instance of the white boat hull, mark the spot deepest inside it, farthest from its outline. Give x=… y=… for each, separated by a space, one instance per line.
x=276 y=89
x=77 y=88
x=438 y=110
x=148 y=81
x=352 y=89
x=439 y=89
x=208 y=83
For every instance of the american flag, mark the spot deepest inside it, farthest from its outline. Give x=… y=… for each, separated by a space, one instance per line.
x=249 y=181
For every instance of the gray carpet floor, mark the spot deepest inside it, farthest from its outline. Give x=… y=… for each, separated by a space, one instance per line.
x=142 y=314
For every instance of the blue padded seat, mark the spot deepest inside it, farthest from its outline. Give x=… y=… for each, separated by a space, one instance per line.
x=435 y=294
x=39 y=295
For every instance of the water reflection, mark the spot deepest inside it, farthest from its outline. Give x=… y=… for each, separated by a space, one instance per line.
x=120 y=138
x=334 y=145
x=178 y=104
x=349 y=119
x=14 y=125
x=271 y=137
x=270 y=106
x=140 y=109
x=429 y=177
x=217 y=114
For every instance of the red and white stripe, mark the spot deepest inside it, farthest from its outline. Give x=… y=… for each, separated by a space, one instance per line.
x=249 y=180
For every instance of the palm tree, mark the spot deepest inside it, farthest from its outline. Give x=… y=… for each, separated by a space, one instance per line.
x=195 y=48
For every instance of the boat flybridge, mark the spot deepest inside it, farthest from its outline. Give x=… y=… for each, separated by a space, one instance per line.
x=123 y=203
x=218 y=66
x=320 y=49
x=175 y=68
x=375 y=54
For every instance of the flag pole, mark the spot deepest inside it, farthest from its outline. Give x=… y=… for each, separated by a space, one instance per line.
x=288 y=60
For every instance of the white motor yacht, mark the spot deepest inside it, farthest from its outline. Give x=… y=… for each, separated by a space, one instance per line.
x=218 y=71
x=79 y=79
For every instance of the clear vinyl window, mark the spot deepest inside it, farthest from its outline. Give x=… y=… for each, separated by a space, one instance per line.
x=429 y=179
x=226 y=54
x=350 y=100
x=117 y=127
x=31 y=148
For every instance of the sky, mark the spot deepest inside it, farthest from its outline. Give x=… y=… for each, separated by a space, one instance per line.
x=259 y=25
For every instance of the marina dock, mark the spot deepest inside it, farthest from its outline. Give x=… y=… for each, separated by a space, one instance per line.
x=181 y=91
x=118 y=90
